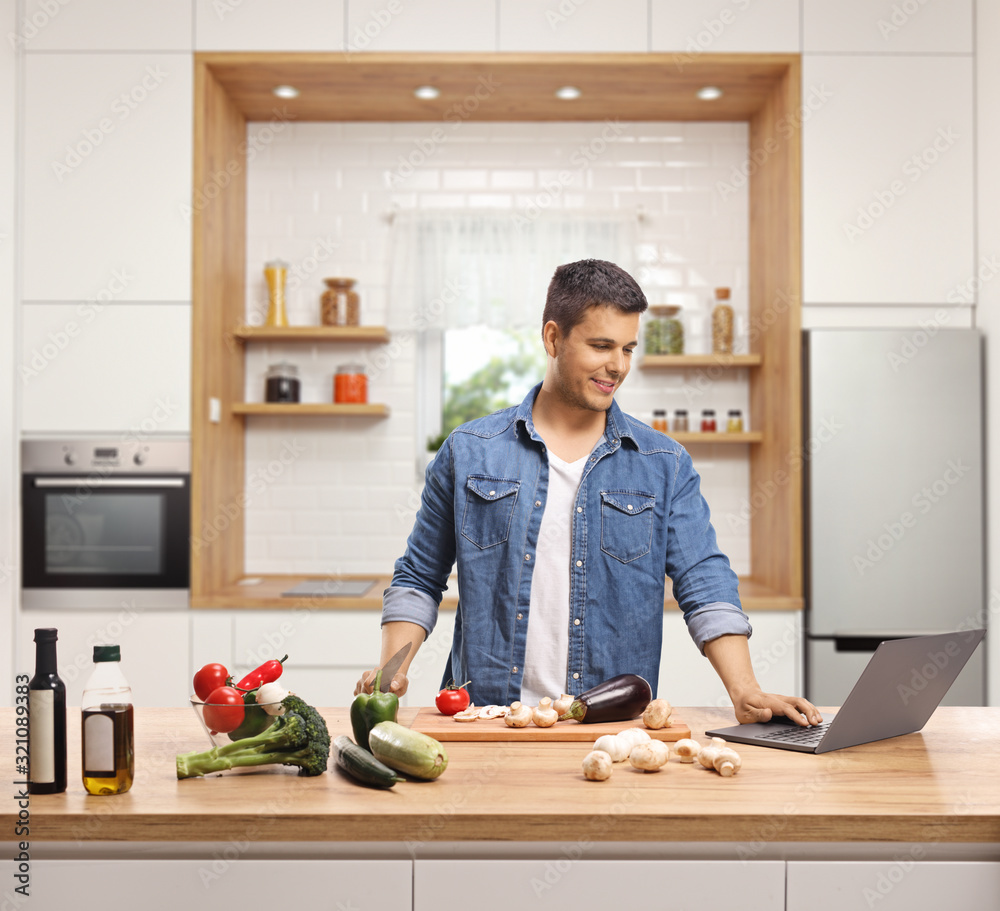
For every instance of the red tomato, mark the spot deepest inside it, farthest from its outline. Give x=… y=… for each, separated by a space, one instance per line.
x=452 y=699
x=224 y=710
x=209 y=678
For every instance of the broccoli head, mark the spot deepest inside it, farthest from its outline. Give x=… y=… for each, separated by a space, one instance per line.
x=297 y=738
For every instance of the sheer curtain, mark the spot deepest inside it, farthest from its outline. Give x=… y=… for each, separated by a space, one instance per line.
x=468 y=268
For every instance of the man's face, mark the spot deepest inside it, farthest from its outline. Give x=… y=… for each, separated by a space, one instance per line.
x=592 y=361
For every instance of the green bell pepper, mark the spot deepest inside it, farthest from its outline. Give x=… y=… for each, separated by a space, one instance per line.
x=368 y=709
x=255 y=720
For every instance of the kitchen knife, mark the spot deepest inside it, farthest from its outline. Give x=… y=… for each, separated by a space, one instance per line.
x=392 y=665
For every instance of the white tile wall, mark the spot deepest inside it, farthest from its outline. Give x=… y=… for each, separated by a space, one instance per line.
x=105 y=25
x=318 y=198
x=573 y=26
x=262 y=25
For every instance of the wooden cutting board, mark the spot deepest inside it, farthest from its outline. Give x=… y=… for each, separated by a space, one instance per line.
x=443 y=727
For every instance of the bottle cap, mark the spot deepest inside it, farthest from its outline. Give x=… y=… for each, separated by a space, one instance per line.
x=107 y=653
x=734 y=412
x=709 y=411
x=658 y=411
x=681 y=412
x=46 y=634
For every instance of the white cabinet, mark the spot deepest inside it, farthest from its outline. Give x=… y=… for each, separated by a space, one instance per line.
x=572 y=881
x=123 y=369
x=154 y=645
x=725 y=26
x=888 y=26
x=219 y=880
x=262 y=25
x=888 y=195
x=906 y=883
x=105 y=25
x=572 y=26
x=431 y=25
x=107 y=177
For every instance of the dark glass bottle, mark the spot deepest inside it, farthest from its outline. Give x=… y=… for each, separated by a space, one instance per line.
x=47 y=720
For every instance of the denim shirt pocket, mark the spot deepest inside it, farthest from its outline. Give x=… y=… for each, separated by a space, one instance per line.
x=626 y=524
x=489 y=505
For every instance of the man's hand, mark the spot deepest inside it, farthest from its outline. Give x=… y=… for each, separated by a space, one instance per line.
x=761 y=706
x=366 y=684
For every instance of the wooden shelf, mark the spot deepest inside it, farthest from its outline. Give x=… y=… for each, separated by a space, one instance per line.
x=375 y=334
x=304 y=409
x=264 y=592
x=684 y=361
x=749 y=436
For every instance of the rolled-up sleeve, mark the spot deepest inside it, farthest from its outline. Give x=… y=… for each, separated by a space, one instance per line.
x=410 y=605
x=715 y=619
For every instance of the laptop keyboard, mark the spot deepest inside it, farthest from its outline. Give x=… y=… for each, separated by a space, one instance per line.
x=805 y=736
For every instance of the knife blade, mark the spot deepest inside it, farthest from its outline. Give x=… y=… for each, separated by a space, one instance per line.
x=392 y=665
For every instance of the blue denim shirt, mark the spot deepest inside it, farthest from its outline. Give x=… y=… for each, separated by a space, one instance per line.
x=640 y=516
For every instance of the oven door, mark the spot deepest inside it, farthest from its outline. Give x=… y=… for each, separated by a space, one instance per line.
x=101 y=541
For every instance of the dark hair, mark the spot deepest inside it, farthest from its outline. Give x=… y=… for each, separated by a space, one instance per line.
x=575 y=287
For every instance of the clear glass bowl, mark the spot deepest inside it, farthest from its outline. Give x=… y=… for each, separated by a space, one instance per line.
x=255 y=719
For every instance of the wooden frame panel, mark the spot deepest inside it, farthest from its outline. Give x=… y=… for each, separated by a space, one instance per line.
x=764 y=90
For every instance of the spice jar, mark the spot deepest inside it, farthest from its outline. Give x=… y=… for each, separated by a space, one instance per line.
x=282 y=383
x=722 y=323
x=664 y=331
x=660 y=420
x=340 y=303
x=680 y=421
x=708 y=421
x=350 y=385
x=734 y=422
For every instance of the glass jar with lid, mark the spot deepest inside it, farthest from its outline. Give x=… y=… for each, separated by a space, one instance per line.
x=282 y=384
x=350 y=385
x=734 y=421
x=659 y=420
x=708 y=420
x=664 y=333
x=680 y=424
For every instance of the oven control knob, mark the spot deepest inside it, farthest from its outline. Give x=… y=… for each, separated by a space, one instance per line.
x=70 y=458
x=139 y=458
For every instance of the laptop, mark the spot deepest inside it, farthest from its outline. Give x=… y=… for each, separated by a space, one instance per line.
x=902 y=685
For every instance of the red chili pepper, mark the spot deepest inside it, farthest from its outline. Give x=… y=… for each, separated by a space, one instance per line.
x=268 y=672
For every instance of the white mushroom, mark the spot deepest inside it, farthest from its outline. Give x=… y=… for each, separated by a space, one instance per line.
x=687 y=749
x=544 y=715
x=519 y=715
x=597 y=766
x=562 y=704
x=707 y=754
x=650 y=756
x=614 y=745
x=727 y=762
x=634 y=736
x=657 y=714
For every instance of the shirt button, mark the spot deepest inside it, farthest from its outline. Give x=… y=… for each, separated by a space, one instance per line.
x=593 y=458
x=576 y=622
x=493 y=493
x=527 y=556
x=538 y=502
x=629 y=507
x=576 y=676
x=513 y=670
x=579 y=562
x=520 y=616
x=579 y=509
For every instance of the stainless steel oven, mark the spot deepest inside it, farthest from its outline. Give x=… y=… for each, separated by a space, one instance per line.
x=105 y=521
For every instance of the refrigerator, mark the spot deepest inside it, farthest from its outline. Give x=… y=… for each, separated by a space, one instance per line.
x=894 y=521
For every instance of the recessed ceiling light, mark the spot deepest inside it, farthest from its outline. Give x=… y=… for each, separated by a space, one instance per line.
x=427 y=92
x=709 y=93
x=285 y=91
x=568 y=93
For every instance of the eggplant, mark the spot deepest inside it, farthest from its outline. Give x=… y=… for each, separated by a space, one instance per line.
x=619 y=699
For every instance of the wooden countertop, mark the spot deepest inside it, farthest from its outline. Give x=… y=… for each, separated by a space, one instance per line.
x=940 y=785
x=264 y=592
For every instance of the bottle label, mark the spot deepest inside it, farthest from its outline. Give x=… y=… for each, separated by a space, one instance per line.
x=42 y=736
x=99 y=745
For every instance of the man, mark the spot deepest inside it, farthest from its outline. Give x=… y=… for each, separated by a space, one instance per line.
x=564 y=515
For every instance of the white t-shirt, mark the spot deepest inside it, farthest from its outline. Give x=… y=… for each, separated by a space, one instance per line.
x=547 y=647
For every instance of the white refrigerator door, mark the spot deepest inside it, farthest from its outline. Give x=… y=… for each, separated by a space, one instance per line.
x=894 y=481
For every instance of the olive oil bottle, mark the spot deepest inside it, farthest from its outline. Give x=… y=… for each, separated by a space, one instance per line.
x=108 y=752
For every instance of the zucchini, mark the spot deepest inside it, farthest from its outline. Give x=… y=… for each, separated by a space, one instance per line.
x=409 y=752
x=361 y=765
